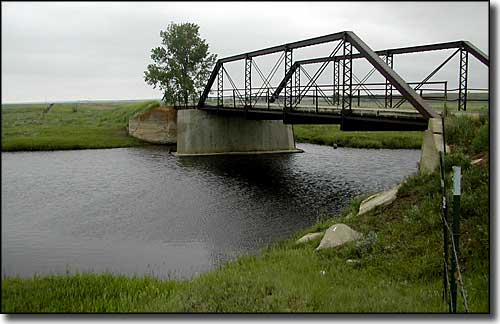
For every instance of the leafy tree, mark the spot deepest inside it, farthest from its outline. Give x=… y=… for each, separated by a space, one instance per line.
x=181 y=65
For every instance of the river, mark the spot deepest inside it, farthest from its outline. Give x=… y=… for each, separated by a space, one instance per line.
x=137 y=211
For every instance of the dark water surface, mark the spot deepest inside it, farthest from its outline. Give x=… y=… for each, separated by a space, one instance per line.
x=145 y=211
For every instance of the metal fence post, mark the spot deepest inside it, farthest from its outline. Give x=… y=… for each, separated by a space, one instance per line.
x=444 y=206
x=455 y=237
x=445 y=93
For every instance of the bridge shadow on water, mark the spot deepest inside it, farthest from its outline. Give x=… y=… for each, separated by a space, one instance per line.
x=189 y=213
x=290 y=180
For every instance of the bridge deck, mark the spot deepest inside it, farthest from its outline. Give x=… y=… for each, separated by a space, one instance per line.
x=358 y=118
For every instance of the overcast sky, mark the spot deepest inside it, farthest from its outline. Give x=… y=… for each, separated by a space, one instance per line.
x=75 y=51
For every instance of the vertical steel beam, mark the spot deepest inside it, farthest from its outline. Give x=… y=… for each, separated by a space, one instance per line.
x=396 y=80
x=220 y=87
x=297 y=85
x=248 y=82
x=388 y=85
x=347 y=77
x=462 y=82
x=336 y=81
x=288 y=87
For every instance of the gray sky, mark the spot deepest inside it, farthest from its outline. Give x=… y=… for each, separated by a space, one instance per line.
x=74 y=51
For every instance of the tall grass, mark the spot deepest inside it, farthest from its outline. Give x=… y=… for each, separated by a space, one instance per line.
x=29 y=127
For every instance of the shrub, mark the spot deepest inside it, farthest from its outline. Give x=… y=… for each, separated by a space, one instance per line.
x=457 y=158
x=482 y=141
x=461 y=130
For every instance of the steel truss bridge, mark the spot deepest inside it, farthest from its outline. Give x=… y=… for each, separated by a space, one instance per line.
x=291 y=102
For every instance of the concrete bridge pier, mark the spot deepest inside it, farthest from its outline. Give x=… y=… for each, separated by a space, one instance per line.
x=203 y=133
x=432 y=146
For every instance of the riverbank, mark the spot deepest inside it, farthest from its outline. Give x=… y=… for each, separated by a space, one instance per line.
x=69 y=126
x=331 y=134
x=396 y=267
x=34 y=127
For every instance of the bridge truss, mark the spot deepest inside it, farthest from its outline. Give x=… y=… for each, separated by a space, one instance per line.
x=285 y=101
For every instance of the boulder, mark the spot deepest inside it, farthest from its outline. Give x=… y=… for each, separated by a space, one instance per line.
x=309 y=237
x=379 y=199
x=336 y=235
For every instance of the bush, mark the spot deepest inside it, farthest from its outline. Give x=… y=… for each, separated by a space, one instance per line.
x=457 y=158
x=461 y=130
x=482 y=141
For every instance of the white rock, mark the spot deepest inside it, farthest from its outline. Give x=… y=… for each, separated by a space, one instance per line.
x=476 y=161
x=336 y=235
x=309 y=237
x=379 y=199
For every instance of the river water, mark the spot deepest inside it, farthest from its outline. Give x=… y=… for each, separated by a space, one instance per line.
x=137 y=211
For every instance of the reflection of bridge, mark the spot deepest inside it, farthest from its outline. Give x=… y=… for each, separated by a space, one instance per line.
x=257 y=119
x=291 y=102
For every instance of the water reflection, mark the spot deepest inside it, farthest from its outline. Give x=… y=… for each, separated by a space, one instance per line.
x=144 y=210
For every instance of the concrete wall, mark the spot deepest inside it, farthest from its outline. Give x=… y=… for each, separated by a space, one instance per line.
x=158 y=125
x=432 y=144
x=202 y=133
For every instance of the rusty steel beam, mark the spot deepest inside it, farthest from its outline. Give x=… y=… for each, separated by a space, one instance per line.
x=210 y=82
x=289 y=46
x=477 y=53
x=400 y=50
x=269 y=50
x=392 y=76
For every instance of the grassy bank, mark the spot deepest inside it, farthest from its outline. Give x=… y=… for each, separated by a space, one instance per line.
x=396 y=267
x=331 y=134
x=30 y=127
x=33 y=127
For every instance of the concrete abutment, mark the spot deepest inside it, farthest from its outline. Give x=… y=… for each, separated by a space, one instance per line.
x=203 y=133
x=197 y=132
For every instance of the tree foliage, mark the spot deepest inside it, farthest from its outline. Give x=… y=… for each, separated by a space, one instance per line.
x=181 y=65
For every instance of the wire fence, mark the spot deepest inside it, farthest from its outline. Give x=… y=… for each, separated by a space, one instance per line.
x=451 y=233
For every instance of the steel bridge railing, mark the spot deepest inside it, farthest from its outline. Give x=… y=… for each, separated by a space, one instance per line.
x=326 y=98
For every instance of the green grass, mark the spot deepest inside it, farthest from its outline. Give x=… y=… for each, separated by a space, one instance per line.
x=25 y=127
x=92 y=125
x=330 y=134
x=397 y=268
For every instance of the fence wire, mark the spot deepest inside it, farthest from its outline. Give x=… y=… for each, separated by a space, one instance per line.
x=449 y=231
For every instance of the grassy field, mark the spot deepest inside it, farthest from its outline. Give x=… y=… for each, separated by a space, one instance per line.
x=31 y=127
x=396 y=267
x=330 y=134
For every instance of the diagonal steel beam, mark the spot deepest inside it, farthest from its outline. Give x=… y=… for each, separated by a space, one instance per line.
x=477 y=53
x=391 y=75
x=427 y=78
x=210 y=82
x=334 y=37
x=284 y=82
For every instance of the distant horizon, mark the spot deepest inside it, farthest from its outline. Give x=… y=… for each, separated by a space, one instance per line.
x=69 y=50
x=73 y=101
x=159 y=98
